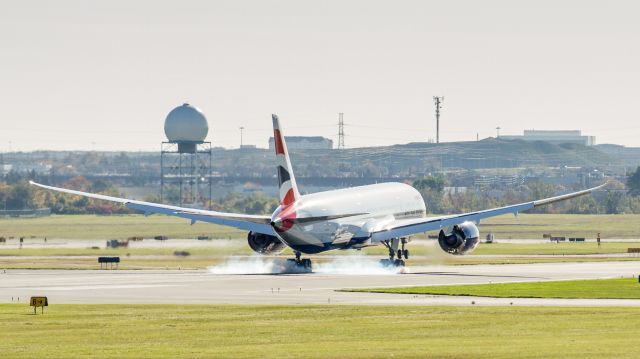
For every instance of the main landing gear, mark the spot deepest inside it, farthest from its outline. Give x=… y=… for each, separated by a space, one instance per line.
x=396 y=254
x=301 y=265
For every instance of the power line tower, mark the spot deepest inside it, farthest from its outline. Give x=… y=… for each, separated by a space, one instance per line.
x=438 y=101
x=340 y=131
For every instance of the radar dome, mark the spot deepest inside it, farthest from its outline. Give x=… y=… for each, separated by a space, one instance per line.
x=186 y=124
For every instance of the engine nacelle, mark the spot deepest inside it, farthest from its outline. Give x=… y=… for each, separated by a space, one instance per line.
x=463 y=239
x=264 y=243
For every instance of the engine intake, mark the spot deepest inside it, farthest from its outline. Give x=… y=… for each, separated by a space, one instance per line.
x=264 y=243
x=463 y=239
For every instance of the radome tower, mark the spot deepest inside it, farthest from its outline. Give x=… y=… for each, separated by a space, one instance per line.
x=185 y=158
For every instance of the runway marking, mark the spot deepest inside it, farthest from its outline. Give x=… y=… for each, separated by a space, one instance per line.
x=97 y=287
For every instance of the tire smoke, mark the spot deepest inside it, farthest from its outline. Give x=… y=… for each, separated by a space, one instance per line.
x=356 y=265
x=246 y=265
x=343 y=265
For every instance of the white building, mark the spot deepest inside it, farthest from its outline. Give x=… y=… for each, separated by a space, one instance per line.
x=557 y=137
x=305 y=143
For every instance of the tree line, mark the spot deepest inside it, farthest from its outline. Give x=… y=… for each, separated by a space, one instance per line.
x=16 y=193
x=617 y=198
x=19 y=194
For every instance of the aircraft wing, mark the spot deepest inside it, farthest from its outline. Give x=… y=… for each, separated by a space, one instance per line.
x=255 y=223
x=406 y=227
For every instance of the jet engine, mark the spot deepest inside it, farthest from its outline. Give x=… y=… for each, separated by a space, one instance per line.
x=264 y=243
x=462 y=239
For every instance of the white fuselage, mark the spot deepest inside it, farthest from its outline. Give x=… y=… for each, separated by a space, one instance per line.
x=365 y=209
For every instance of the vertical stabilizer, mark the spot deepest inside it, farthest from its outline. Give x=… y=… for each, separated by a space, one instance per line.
x=286 y=181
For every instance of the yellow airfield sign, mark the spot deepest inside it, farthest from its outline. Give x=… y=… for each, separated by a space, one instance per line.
x=39 y=302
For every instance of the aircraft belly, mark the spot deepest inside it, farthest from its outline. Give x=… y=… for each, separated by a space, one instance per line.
x=375 y=206
x=322 y=236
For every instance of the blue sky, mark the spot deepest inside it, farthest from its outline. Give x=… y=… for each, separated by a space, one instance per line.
x=104 y=74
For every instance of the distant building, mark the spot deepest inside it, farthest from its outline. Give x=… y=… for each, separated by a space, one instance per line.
x=455 y=190
x=557 y=137
x=305 y=143
x=24 y=167
x=498 y=181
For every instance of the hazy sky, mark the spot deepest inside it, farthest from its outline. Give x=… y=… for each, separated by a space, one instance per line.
x=103 y=74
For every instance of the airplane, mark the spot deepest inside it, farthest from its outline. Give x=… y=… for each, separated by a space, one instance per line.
x=351 y=218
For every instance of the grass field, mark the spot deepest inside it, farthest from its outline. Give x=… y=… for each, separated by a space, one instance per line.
x=622 y=288
x=203 y=262
x=552 y=248
x=111 y=227
x=528 y=226
x=525 y=226
x=213 y=252
x=208 y=331
x=240 y=247
x=93 y=228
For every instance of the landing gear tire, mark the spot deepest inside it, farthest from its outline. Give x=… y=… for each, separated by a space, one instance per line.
x=396 y=254
x=306 y=263
x=299 y=265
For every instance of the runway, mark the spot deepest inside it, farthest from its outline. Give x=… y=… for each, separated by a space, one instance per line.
x=200 y=287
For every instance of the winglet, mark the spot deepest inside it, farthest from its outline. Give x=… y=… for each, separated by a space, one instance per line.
x=286 y=180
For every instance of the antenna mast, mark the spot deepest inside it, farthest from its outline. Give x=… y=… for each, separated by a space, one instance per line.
x=438 y=101
x=340 y=131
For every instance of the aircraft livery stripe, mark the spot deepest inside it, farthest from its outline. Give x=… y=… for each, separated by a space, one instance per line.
x=283 y=175
x=277 y=137
x=284 y=188
x=289 y=198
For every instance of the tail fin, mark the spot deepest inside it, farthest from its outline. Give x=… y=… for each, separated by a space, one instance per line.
x=286 y=181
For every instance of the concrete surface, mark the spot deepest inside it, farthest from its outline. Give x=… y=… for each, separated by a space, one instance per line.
x=182 y=287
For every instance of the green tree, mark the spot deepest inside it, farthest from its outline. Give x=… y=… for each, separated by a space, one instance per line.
x=613 y=202
x=20 y=196
x=633 y=183
x=432 y=190
x=431 y=183
x=582 y=205
x=539 y=190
